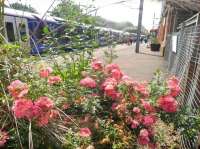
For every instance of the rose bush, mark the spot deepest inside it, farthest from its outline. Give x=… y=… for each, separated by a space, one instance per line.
x=87 y=104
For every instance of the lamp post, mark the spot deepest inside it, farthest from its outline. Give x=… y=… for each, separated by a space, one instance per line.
x=139 y=26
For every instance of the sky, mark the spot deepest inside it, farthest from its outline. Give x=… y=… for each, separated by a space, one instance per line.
x=127 y=11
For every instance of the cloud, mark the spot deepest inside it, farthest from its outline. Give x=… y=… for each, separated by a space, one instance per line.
x=117 y=12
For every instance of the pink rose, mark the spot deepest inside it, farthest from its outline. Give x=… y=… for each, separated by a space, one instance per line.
x=127 y=80
x=24 y=108
x=54 y=114
x=143 y=138
x=168 y=104
x=65 y=106
x=18 y=89
x=43 y=119
x=147 y=106
x=139 y=117
x=45 y=103
x=173 y=85
x=3 y=138
x=96 y=65
x=136 y=110
x=88 y=82
x=114 y=106
x=128 y=120
x=44 y=73
x=116 y=74
x=110 y=67
x=149 y=120
x=109 y=81
x=133 y=99
x=134 y=124
x=85 y=132
x=54 y=80
x=142 y=89
x=111 y=92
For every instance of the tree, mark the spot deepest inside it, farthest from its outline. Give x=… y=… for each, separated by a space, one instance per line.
x=114 y=25
x=70 y=11
x=23 y=7
x=67 y=10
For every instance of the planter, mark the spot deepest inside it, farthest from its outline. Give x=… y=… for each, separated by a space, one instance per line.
x=155 y=47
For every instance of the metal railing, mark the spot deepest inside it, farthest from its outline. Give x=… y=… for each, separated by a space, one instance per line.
x=185 y=64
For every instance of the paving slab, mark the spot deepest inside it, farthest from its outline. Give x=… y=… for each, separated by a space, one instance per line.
x=139 y=66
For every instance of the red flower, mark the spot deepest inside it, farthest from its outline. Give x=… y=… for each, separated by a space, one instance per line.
x=142 y=89
x=151 y=131
x=127 y=80
x=173 y=85
x=133 y=99
x=109 y=81
x=139 y=117
x=18 y=89
x=136 y=110
x=85 y=132
x=125 y=77
x=54 y=114
x=3 y=138
x=44 y=103
x=149 y=120
x=168 y=104
x=54 y=80
x=143 y=138
x=43 y=119
x=114 y=106
x=147 y=106
x=96 y=65
x=24 y=108
x=128 y=120
x=44 y=73
x=110 y=67
x=116 y=74
x=134 y=124
x=111 y=92
x=65 y=106
x=88 y=82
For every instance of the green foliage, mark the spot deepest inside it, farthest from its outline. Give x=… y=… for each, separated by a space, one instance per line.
x=185 y=121
x=154 y=40
x=110 y=54
x=23 y=7
x=74 y=141
x=11 y=61
x=111 y=134
x=68 y=10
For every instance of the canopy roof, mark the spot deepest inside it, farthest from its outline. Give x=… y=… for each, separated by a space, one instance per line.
x=187 y=5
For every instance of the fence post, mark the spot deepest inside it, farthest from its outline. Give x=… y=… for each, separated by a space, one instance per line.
x=1 y=19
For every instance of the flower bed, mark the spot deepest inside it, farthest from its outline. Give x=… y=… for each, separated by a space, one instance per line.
x=89 y=105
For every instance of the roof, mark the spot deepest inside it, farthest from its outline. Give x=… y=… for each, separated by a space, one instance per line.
x=14 y=12
x=19 y=13
x=186 y=4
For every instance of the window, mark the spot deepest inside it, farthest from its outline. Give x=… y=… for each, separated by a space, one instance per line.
x=10 y=31
x=22 y=31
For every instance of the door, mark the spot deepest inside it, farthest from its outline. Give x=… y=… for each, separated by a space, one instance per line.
x=10 y=28
x=22 y=29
